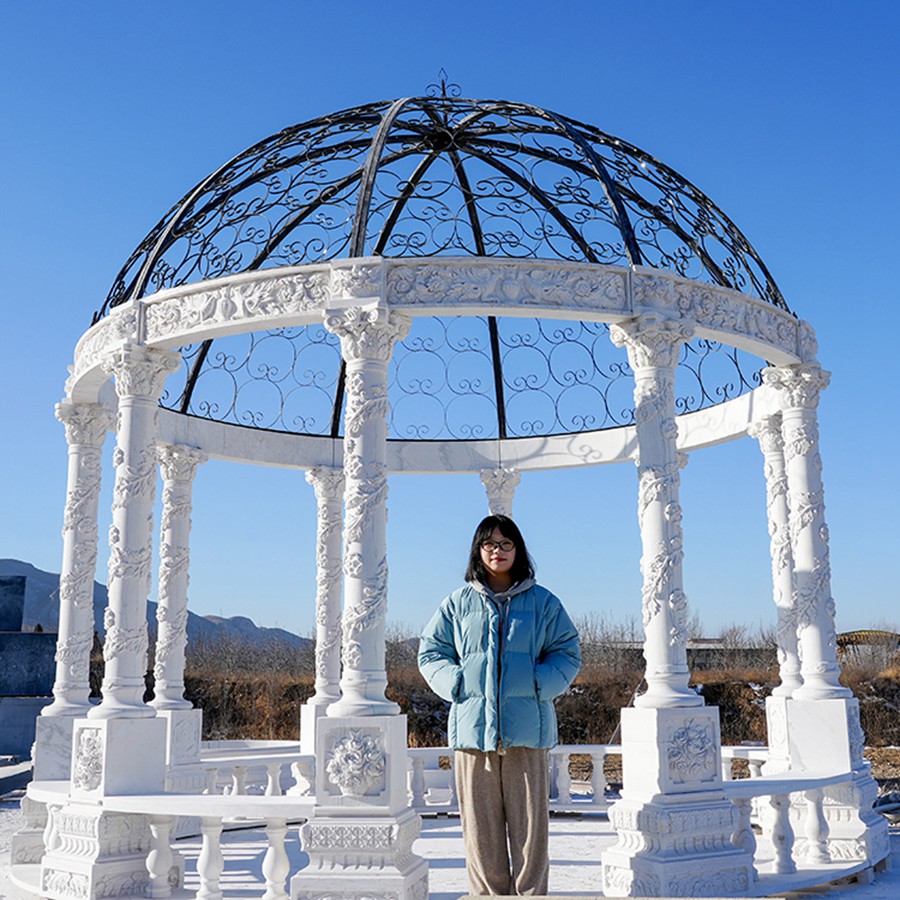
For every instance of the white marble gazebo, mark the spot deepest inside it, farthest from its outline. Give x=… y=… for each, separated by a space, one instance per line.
x=498 y=248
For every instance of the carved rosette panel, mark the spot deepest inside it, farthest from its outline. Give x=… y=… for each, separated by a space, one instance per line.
x=356 y=763
x=88 y=759
x=328 y=484
x=692 y=752
x=500 y=485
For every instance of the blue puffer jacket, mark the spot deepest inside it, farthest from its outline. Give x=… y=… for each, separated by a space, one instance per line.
x=500 y=659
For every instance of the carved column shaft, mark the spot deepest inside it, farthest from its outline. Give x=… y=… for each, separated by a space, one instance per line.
x=178 y=465
x=768 y=432
x=139 y=377
x=654 y=345
x=86 y=427
x=329 y=488
x=367 y=338
x=500 y=486
x=798 y=389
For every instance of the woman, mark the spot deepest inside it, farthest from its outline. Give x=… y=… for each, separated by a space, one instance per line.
x=500 y=649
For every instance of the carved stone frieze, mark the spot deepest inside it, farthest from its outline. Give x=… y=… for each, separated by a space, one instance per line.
x=360 y=281
x=285 y=295
x=118 y=328
x=65 y=884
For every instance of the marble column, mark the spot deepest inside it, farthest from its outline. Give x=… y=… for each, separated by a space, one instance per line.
x=178 y=465
x=654 y=344
x=798 y=388
x=367 y=337
x=328 y=484
x=500 y=485
x=767 y=432
x=139 y=377
x=86 y=427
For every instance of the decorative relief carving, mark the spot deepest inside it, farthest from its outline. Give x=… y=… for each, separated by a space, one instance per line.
x=118 y=328
x=66 y=884
x=134 y=481
x=361 y=281
x=119 y=641
x=718 y=883
x=178 y=462
x=361 y=616
x=88 y=759
x=799 y=386
x=263 y=298
x=692 y=752
x=651 y=340
x=352 y=837
x=367 y=332
x=356 y=763
x=140 y=371
x=538 y=285
x=500 y=485
x=86 y=423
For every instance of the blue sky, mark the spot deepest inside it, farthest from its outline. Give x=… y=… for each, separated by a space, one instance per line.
x=785 y=114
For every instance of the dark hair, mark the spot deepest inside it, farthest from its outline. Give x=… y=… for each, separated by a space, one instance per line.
x=523 y=565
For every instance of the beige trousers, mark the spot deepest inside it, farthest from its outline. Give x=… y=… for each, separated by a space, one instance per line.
x=503 y=805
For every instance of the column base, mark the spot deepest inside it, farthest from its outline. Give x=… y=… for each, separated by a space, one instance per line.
x=95 y=854
x=362 y=858
x=184 y=728
x=676 y=848
x=310 y=713
x=118 y=756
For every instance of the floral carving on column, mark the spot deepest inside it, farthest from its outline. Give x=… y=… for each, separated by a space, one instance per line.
x=86 y=427
x=367 y=335
x=768 y=431
x=139 y=375
x=328 y=484
x=357 y=763
x=654 y=345
x=798 y=389
x=500 y=485
x=178 y=465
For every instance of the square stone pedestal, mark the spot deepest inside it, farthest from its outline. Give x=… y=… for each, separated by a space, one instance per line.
x=310 y=713
x=360 y=837
x=53 y=748
x=118 y=756
x=184 y=728
x=826 y=736
x=674 y=823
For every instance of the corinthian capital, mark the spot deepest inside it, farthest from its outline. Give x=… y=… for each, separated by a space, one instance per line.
x=140 y=371
x=367 y=332
x=328 y=483
x=767 y=430
x=178 y=462
x=797 y=387
x=651 y=339
x=86 y=423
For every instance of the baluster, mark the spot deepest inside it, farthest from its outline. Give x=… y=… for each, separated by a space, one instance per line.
x=744 y=836
x=598 y=777
x=816 y=829
x=454 y=799
x=212 y=777
x=210 y=862
x=755 y=767
x=51 y=835
x=782 y=834
x=304 y=772
x=275 y=866
x=417 y=781
x=564 y=779
x=160 y=858
x=239 y=781
x=273 y=780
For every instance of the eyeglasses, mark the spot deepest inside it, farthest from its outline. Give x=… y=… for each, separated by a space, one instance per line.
x=505 y=546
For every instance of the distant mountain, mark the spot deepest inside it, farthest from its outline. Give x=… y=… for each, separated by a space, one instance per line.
x=42 y=608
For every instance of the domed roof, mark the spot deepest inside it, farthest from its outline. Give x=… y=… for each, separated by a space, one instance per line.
x=440 y=175
x=435 y=176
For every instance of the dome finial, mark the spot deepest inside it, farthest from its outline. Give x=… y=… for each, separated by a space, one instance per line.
x=442 y=87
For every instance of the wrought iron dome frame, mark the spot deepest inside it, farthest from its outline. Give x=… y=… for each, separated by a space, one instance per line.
x=438 y=176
